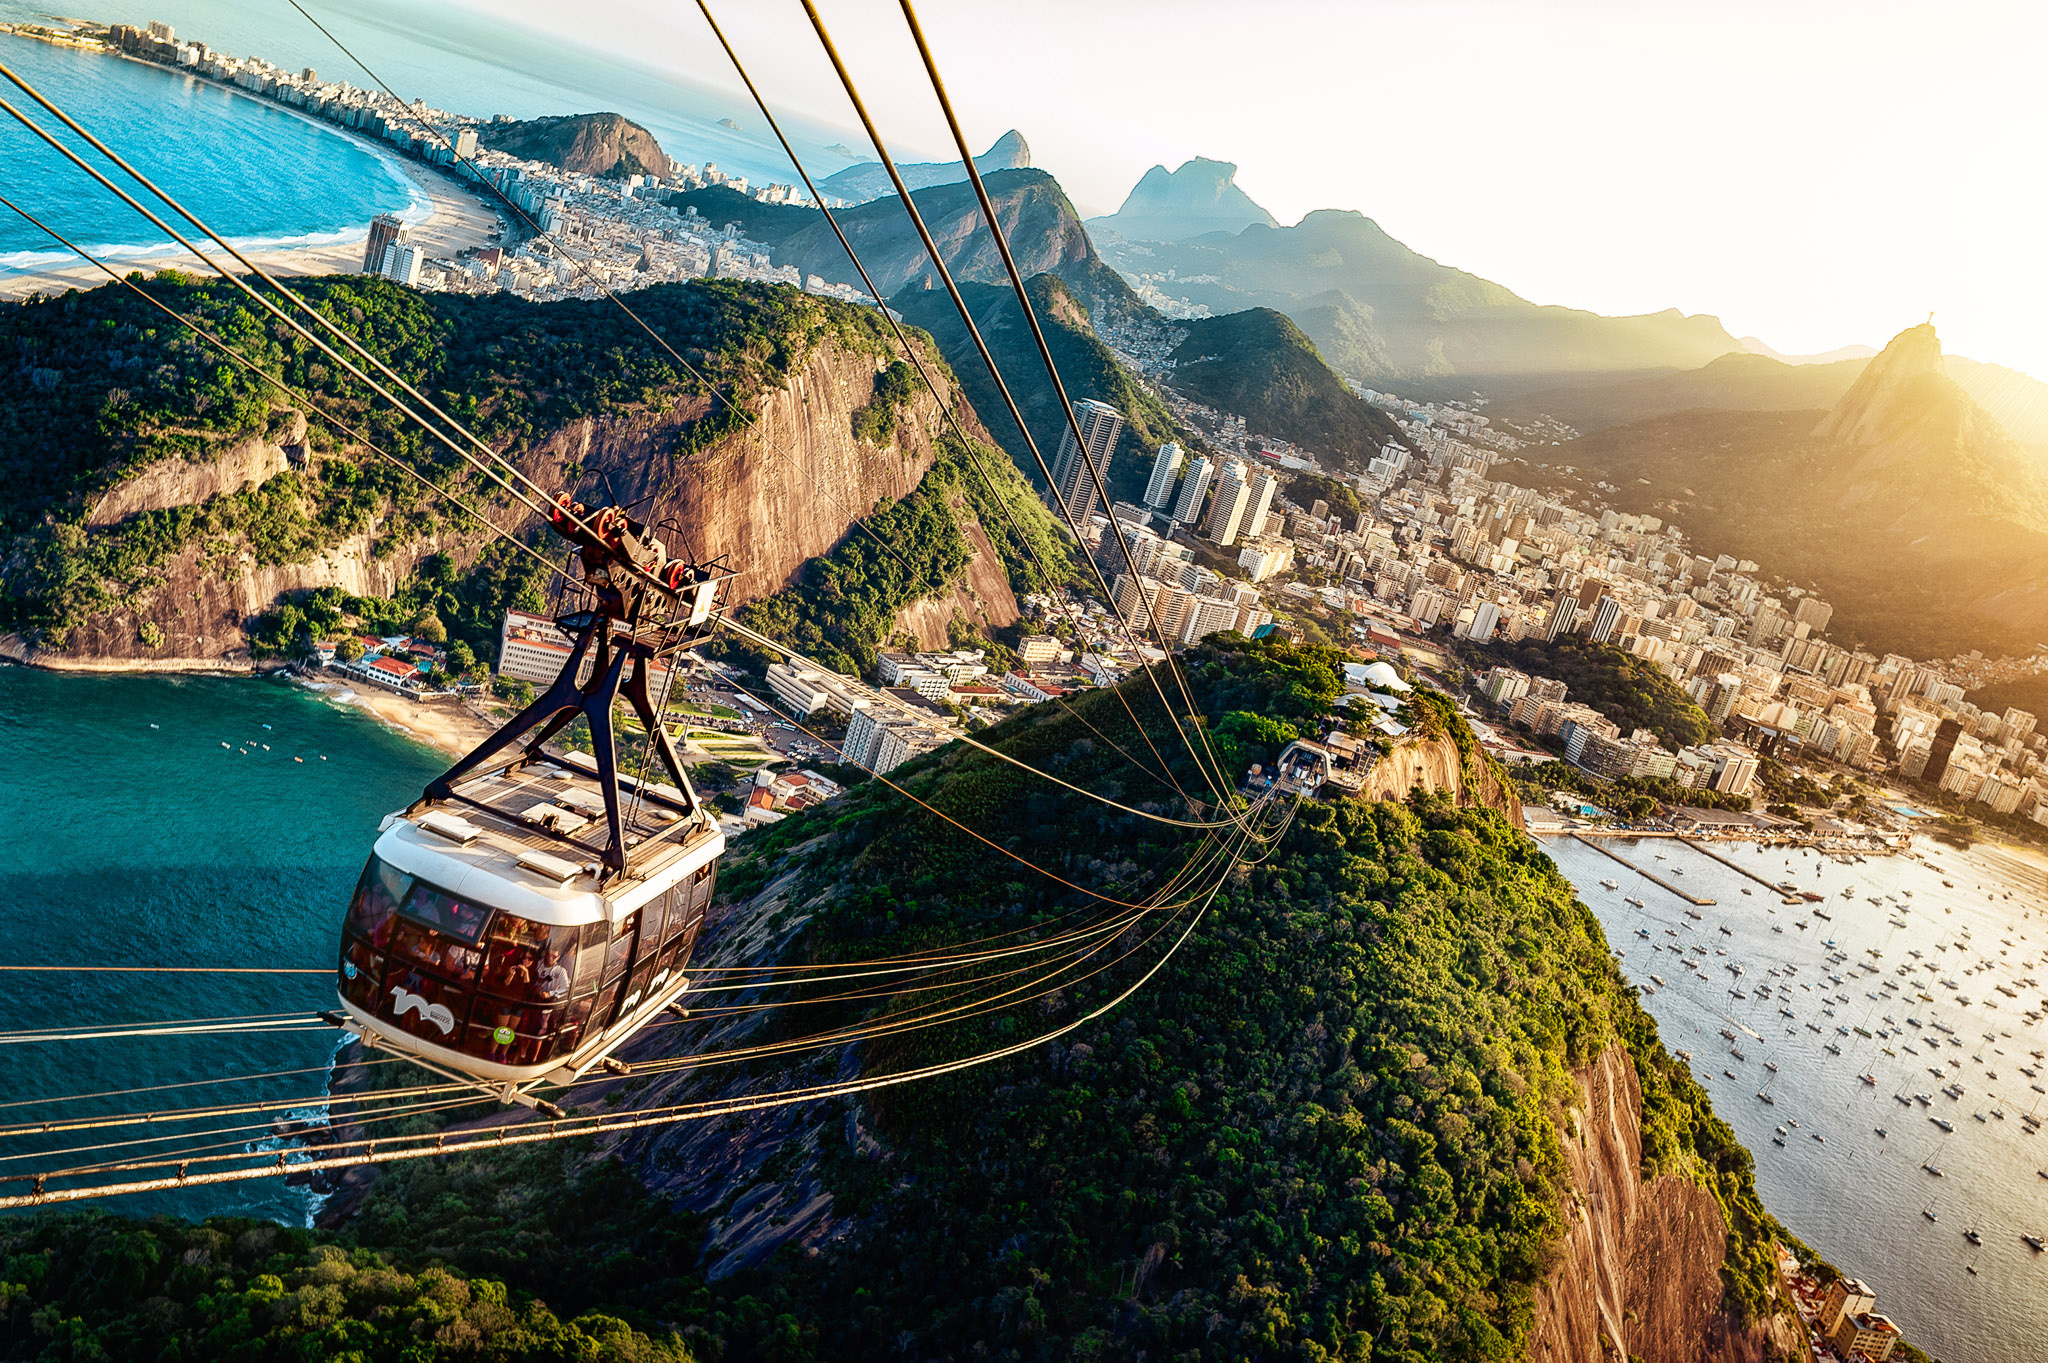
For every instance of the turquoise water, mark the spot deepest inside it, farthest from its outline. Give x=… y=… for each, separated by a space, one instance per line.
x=123 y=844
x=263 y=175
x=259 y=175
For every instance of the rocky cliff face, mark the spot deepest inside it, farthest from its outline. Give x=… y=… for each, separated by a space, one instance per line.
x=767 y=498
x=1433 y=764
x=584 y=144
x=1639 y=1270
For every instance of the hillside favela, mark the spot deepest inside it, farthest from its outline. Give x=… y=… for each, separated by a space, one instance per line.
x=1077 y=682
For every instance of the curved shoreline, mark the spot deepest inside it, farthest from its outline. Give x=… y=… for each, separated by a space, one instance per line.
x=446 y=218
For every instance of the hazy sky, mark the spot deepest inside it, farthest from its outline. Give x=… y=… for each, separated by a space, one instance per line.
x=1812 y=172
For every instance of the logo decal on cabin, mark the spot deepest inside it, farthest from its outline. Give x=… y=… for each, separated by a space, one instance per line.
x=404 y=1001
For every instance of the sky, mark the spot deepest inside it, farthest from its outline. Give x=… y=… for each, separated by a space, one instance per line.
x=1814 y=173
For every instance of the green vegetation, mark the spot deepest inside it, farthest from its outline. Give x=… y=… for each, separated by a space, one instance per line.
x=108 y=386
x=875 y=420
x=96 y=1287
x=1632 y=797
x=1633 y=693
x=1307 y=489
x=1088 y=368
x=466 y=609
x=843 y=610
x=1258 y=364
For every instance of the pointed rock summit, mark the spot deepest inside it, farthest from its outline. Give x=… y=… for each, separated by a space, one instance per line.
x=1202 y=196
x=1895 y=390
x=858 y=184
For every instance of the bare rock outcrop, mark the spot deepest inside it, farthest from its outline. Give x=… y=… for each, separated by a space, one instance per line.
x=1639 y=1269
x=1433 y=764
x=188 y=482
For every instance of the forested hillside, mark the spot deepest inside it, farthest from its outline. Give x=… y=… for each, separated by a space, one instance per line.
x=1088 y=368
x=157 y=500
x=1328 y=1126
x=1258 y=364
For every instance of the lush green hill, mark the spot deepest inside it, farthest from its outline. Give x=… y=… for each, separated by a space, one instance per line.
x=1259 y=364
x=1087 y=368
x=110 y=386
x=1632 y=693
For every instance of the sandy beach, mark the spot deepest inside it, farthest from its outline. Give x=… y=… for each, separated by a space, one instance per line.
x=449 y=725
x=458 y=221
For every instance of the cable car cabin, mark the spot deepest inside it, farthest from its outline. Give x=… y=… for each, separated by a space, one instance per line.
x=474 y=945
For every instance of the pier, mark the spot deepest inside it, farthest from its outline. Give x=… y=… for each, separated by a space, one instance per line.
x=1770 y=885
x=1653 y=878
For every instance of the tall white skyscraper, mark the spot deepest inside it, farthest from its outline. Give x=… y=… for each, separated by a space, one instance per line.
x=1165 y=471
x=1264 y=485
x=1233 y=499
x=1188 y=506
x=402 y=264
x=1100 y=423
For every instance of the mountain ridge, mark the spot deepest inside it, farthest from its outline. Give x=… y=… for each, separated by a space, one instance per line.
x=867 y=180
x=1382 y=312
x=1903 y=502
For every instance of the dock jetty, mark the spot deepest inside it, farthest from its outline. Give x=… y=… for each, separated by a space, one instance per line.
x=1653 y=878
x=1770 y=885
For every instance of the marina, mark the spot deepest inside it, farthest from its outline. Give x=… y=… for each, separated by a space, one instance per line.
x=1911 y=994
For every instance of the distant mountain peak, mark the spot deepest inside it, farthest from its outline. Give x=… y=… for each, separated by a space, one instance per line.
x=860 y=183
x=1893 y=391
x=1174 y=205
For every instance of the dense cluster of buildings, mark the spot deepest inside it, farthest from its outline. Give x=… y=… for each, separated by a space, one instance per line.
x=611 y=233
x=409 y=666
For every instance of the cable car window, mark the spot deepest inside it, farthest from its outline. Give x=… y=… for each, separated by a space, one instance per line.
x=436 y=951
x=362 y=972
x=441 y=910
x=590 y=950
x=621 y=952
x=381 y=890
x=569 y=1032
x=529 y=960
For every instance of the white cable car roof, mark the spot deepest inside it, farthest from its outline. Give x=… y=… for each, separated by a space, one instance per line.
x=507 y=842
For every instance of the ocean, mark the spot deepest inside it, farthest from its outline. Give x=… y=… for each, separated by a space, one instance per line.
x=1856 y=1196
x=269 y=177
x=130 y=836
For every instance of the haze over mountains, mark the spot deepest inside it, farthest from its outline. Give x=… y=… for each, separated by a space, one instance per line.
x=1904 y=502
x=857 y=184
x=1199 y=198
